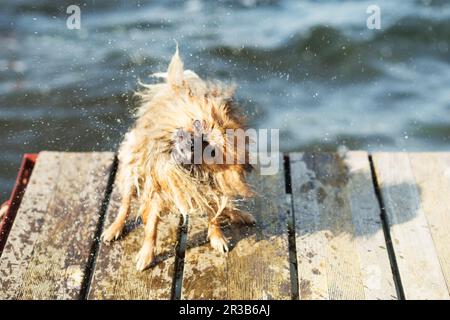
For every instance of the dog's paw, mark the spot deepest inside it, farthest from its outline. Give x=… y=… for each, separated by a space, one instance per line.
x=112 y=232
x=145 y=257
x=241 y=217
x=217 y=239
x=248 y=218
x=219 y=244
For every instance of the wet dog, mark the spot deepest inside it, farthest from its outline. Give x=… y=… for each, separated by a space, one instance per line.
x=159 y=163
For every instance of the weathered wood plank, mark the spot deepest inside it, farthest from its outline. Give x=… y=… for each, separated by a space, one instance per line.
x=341 y=250
x=257 y=267
x=310 y=240
x=415 y=192
x=375 y=266
x=115 y=275
x=432 y=174
x=47 y=251
x=29 y=220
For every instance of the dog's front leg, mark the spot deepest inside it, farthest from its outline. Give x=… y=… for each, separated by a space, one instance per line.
x=115 y=229
x=215 y=235
x=150 y=215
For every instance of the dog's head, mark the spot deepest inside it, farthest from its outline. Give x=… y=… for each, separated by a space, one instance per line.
x=195 y=124
x=206 y=131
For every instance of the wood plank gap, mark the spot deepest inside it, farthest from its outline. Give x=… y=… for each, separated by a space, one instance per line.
x=287 y=174
x=293 y=267
x=90 y=266
x=179 y=260
x=387 y=235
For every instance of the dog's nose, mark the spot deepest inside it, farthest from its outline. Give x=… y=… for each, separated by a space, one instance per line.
x=204 y=144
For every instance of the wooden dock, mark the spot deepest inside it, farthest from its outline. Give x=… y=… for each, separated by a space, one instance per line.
x=358 y=226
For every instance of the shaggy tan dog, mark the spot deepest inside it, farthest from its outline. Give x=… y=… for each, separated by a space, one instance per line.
x=156 y=159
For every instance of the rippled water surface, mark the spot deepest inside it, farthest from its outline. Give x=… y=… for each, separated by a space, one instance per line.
x=310 y=68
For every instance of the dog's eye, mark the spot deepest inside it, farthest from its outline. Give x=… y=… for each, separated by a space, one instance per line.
x=197 y=125
x=180 y=135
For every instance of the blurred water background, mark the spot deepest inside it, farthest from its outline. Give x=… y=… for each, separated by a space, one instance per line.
x=310 y=68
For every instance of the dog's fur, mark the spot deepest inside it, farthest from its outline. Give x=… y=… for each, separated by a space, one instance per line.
x=183 y=105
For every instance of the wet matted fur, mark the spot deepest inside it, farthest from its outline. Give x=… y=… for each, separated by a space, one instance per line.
x=151 y=170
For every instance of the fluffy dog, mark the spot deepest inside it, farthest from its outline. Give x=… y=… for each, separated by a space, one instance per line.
x=156 y=159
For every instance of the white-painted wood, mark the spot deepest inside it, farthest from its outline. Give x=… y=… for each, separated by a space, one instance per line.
x=417 y=258
x=432 y=174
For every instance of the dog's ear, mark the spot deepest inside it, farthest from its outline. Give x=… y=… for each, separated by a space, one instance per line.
x=175 y=71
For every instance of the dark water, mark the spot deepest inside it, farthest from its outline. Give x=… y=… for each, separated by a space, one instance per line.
x=310 y=68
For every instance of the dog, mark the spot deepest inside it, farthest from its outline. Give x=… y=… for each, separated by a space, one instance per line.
x=156 y=158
